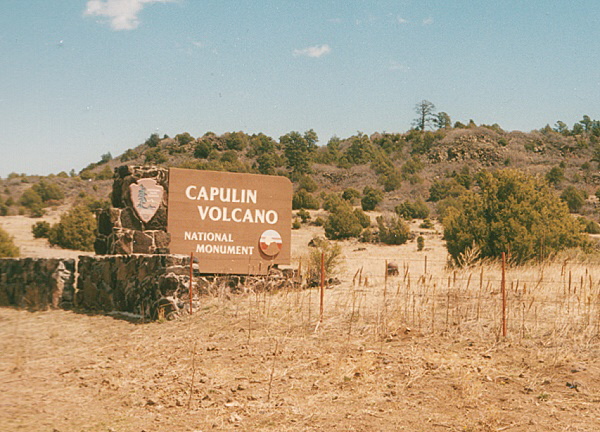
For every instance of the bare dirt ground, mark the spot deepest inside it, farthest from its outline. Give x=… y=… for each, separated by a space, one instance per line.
x=262 y=361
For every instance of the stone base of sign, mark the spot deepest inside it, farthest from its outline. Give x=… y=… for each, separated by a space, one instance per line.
x=120 y=229
x=149 y=286
x=131 y=283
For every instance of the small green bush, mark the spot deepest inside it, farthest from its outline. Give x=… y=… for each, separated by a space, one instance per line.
x=3 y=208
x=412 y=210
x=342 y=224
x=420 y=243
x=153 y=140
x=589 y=226
x=48 y=191
x=319 y=221
x=202 y=149
x=32 y=201
x=555 y=176
x=8 y=249
x=371 y=197
x=426 y=224
x=41 y=229
x=575 y=198
x=363 y=219
x=304 y=215
x=307 y=183
x=106 y=174
x=331 y=253
x=296 y=224
x=350 y=194
x=304 y=200
x=332 y=201
x=392 y=230
x=76 y=230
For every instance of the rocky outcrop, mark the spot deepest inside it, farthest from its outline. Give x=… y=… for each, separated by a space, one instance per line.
x=37 y=284
x=481 y=145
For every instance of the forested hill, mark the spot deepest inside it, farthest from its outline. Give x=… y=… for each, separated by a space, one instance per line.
x=426 y=164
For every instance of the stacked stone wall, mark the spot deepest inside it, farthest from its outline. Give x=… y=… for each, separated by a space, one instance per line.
x=132 y=283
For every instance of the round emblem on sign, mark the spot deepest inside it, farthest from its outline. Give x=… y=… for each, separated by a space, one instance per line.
x=270 y=242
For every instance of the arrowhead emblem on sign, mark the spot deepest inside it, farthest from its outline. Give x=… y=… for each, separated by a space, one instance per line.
x=146 y=196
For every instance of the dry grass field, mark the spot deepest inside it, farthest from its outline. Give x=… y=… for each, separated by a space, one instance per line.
x=421 y=351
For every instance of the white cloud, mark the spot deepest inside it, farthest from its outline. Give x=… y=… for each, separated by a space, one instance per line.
x=313 y=51
x=198 y=44
x=401 y=20
x=428 y=21
x=122 y=14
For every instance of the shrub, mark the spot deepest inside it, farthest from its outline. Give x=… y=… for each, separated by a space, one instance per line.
x=589 y=226
x=8 y=249
x=184 y=138
x=420 y=243
x=304 y=200
x=392 y=230
x=307 y=183
x=333 y=201
x=236 y=141
x=32 y=201
x=350 y=194
x=153 y=140
x=154 y=156
x=48 y=191
x=331 y=253
x=575 y=198
x=105 y=174
x=441 y=189
x=202 y=150
x=412 y=210
x=75 y=230
x=391 y=180
x=303 y=215
x=129 y=155
x=371 y=197
x=342 y=224
x=426 y=224
x=267 y=162
x=40 y=229
x=555 y=176
x=87 y=174
x=319 y=221
x=296 y=224
x=363 y=219
x=511 y=212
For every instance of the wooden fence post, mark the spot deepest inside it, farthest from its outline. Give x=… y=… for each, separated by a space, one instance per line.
x=321 y=310
x=191 y=279
x=503 y=294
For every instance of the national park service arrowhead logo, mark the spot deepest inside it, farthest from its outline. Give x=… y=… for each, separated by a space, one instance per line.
x=270 y=242
x=146 y=196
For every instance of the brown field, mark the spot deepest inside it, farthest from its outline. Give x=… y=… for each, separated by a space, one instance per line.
x=422 y=351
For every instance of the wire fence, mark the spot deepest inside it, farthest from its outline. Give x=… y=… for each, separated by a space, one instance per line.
x=549 y=302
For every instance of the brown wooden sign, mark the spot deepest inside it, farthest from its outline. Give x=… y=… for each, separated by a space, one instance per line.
x=234 y=223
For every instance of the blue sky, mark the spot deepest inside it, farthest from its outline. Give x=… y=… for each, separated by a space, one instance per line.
x=82 y=78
